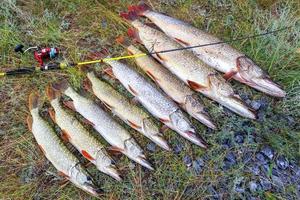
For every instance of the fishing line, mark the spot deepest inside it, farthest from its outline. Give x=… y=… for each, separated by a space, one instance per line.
x=53 y=66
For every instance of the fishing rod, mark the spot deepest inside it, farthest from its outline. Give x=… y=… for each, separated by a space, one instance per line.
x=63 y=65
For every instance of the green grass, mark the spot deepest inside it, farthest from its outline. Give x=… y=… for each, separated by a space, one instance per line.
x=83 y=26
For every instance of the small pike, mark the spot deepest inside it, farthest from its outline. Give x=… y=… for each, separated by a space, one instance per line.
x=77 y=135
x=172 y=86
x=188 y=67
x=102 y=122
x=56 y=152
x=155 y=101
x=222 y=57
x=128 y=112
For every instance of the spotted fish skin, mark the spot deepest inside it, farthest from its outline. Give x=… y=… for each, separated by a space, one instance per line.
x=155 y=101
x=173 y=87
x=105 y=125
x=128 y=112
x=78 y=136
x=221 y=57
x=189 y=68
x=56 y=152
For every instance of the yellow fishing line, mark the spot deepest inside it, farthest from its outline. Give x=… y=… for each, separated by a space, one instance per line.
x=111 y=59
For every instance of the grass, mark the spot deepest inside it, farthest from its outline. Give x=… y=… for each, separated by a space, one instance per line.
x=82 y=26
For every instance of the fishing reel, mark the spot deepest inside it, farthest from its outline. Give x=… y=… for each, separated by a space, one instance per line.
x=40 y=54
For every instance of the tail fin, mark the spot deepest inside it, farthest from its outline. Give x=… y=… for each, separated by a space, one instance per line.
x=33 y=100
x=129 y=16
x=51 y=93
x=61 y=86
x=139 y=9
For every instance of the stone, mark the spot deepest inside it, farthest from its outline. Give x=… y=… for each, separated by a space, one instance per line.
x=255 y=170
x=282 y=163
x=253 y=186
x=265 y=184
x=198 y=165
x=255 y=104
x=187 y=161
x=231 y=158
x=178 y=148
x=261 y=158
x=268 y=152
x=239 y=139
x=151 y=146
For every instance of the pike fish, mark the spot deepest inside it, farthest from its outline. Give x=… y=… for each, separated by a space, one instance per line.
x=171 y=85
x=222 y=57
x=77 y=135
x=127 y=111
x=103 y=123
x=155 y=101
x=56 y=152
x=187 y=66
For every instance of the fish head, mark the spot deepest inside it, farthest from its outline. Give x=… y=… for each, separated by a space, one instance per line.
x=251 y=74
x=196 y=109
x=105 y=164
x=133 y=151
x=152 y=131
x=83 y=180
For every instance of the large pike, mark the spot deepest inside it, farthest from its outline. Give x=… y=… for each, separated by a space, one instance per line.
x=56 y=152
x=155 y=101
x=77 y=135
x=109 y=129
x=171 y=85
x=127 y=111
x=188 y=67
x=222 y=57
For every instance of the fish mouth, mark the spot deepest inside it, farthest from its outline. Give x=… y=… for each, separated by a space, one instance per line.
x=160 y=141
x=235 y=104
x=92 y=189
x=267 y=86
x=191 y=136
x=141 y=159
x=206 y=120
x=112 y=171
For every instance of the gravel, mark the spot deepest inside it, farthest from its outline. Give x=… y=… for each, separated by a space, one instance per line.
x=282 y=163
x=253 y=186
x=268 y=152
x=151 y=146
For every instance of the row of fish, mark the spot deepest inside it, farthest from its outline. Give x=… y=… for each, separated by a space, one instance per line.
x=179 y=74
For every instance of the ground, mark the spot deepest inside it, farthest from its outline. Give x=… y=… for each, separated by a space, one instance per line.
x=246 y=160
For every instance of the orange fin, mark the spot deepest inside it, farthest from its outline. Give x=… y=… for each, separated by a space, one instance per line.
x=42 y=149
x=70 y=105
x=115 y=150
x=60 y=173
x=61 y=86
x=228 y=75
x=133 y=33
x=182 y=42
x=164 y=120
x=160 y=57
x=124 y=41
x=51 y=93
x=109 y=72
x=134 y=125
x=87 y=155
x=86 y=121
x=87 y=85
x=139 y=9
x=195 y=86
x=29 y=122
x=151 y=76
x=107 y=105
x=133 y=92
x=65 y=136
x=52 y=114
x=33 y=100
x=129 y=16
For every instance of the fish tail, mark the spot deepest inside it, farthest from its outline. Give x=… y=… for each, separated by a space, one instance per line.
x=129 y=16
x=51 y=93
x=33 y=100
x=140 y=9
x=61 y=86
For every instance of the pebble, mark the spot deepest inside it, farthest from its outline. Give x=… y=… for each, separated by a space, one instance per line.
x=255 y=170
x=282 y=163
x=267 y=151
x=151 y=146
x=187 y=161
x=255 y=104
x=198 y=164
x=253 y=186
x=178 y=148
x=265 y=184
x=261 y=158
x=277 y=181
x=239 y=139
